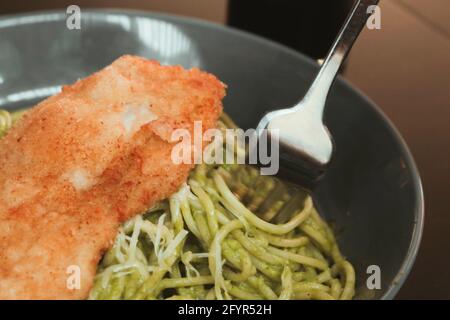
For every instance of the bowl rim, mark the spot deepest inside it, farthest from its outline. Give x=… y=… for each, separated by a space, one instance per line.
x=419 y=211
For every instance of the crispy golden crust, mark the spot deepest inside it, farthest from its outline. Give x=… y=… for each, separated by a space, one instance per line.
x=83 y=161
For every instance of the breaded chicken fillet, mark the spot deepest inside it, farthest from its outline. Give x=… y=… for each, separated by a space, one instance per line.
x=83 y=161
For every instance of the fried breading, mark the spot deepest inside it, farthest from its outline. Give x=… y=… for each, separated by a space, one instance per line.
x=83 y=161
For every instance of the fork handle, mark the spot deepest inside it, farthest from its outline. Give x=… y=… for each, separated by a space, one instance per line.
x=316 y=96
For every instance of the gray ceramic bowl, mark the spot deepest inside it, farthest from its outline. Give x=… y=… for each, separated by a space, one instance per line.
x=372 y=193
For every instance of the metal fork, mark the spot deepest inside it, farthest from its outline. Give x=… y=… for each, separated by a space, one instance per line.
x=306 y=145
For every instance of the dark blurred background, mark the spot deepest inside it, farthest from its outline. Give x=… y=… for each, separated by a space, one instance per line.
x=404 y=68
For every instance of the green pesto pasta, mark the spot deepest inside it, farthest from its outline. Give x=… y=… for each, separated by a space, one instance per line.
x=7 y=120
x=228 y=233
